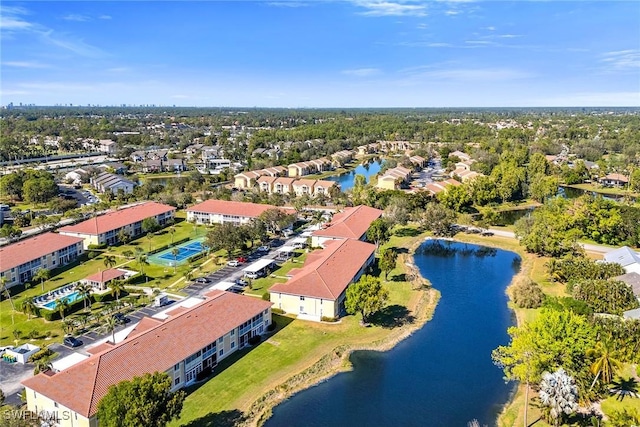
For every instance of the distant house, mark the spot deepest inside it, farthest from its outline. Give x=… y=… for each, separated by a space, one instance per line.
x=107 y=146
x=464 y=157
x=113 y=183
x=418 y=161
x=248 y=179
x=283 y=185
x=626 y=257
x=342 y=157
x=438 y=187
x=633 y=280
x=318 y=289
x=393 y=178
x=352 y=223
x=614 y=180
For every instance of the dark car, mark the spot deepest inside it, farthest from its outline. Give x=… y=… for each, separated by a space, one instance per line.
x=241 y=282
x=201 y=280
x=121 y=318
x=72 y=342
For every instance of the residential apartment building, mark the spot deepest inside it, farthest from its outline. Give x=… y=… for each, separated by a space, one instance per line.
x=187 y=346
x=299 y=187
x=248 y=179
x=107 y=146
x=20 y=261
x=392 y=179
x=104 y=229
x=352 y=223
x=307 y=168
x=113 y=183
x=225 y=212
x=318 y=289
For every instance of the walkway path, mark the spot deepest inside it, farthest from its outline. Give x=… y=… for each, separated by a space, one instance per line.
x=589 y=247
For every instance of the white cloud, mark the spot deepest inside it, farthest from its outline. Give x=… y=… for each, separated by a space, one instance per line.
x=452 y=12
x=508 y=36
x=104 y=17
x=24 y=64
x=479 y=42
x=362 y=72
x=11 y=18
x=489 y=28
x=622 y=60
x=389 y=8
x=76 y=17
x=438 y=72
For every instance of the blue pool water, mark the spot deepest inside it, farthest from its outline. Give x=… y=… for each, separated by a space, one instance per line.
x=71 y=298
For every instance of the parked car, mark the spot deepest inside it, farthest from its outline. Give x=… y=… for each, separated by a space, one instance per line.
x=121 y=318
x=264 y=248
x=201 y=280
x=233 y=263
x=253 y=275
x=72 y=342
x=242 y=260
x=241 y=282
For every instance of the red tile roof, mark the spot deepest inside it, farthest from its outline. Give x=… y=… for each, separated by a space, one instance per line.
x=16 y=254
x=352 y=223
x=117 y=219
x=225 y=207
x=105 y=276
x=157 y=348
x=328 y=274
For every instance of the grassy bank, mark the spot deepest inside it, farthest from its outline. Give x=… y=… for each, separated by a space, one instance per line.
x=298 y=354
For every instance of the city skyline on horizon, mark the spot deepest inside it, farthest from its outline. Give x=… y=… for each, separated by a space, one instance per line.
x=342 y=54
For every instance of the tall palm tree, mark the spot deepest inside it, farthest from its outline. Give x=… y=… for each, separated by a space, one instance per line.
x=68 y=326
x=172 y=231
x=5 y=290
x=188 y=275
x=42 y=274
x=42 y=365
x=175 y=252
x=110 y=324
x=29 y=307
x=141 y=259
x=149 y=238
x=605 y=365
x=116 y=286
x=109 y=261
x=62 y=305
x=84 y=290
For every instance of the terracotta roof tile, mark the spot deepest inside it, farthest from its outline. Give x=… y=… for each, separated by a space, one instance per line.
x=117 y=219
x=16 y=254
x=328 y=274
x=106 y=275
x=155 y=349
x=352 y=223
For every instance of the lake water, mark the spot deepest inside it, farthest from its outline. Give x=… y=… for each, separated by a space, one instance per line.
x=346 y=180
x=443 y=374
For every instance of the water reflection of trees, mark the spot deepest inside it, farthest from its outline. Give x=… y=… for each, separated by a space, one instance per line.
x=446 y=249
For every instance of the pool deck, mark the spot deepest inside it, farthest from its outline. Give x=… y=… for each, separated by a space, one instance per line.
x=42 y=300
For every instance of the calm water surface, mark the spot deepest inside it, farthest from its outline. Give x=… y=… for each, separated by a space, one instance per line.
x=440 y=376
x=346 y=180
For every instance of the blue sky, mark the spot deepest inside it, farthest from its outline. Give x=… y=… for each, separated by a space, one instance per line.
x=359 y=53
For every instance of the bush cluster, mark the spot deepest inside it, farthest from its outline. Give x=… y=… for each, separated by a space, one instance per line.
x=528 y=295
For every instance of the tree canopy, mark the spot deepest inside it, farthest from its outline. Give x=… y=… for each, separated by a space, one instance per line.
x=144 y=401
x=366 y=297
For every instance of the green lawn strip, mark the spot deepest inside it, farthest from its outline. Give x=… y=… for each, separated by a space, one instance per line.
x=262 y=285
x=618 y=403
x=603 y=190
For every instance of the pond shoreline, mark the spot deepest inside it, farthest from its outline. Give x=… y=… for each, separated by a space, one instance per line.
x=423 y=305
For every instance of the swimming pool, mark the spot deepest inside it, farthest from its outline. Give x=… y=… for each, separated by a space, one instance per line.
x=185 y=251
x=71 y=298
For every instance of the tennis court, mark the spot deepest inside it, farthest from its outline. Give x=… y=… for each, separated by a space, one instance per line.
x=185 y=251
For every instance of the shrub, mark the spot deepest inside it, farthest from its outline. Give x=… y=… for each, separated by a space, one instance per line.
x=567 y=303
x=277 y=310
x=49 y=315
x=100 y=246
x=266 y=296
x=33 y=334
x=329 y=319
x=527 y=295
x=254 y=339
x=92 y=254
x=45 y=352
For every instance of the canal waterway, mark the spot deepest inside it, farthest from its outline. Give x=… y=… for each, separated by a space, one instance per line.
x=440 y=376
x=346 y=180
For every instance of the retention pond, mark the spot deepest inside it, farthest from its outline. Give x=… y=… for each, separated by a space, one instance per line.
x=440 y=376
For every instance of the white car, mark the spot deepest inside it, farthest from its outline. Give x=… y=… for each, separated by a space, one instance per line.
x=233 y=263
x=264 y=249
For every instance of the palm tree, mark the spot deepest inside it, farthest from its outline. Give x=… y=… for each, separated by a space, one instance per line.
x=110 y=324
x=605 y=365
x=84 y=290
x=149 y=238
x=109 y=261
x=62 y=305
x=175 y=252
x=68 y=326
x=29 y=307
x=42 y=365
x=42 y=274
x=188 y=275
x=172 y=231
x=5 y=290
x=141 y=259
x=116 y=286
x=128 y=254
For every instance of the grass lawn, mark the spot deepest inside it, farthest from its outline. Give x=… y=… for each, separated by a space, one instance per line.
x=604 y=190
x=262 y=285
x=294 y=346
